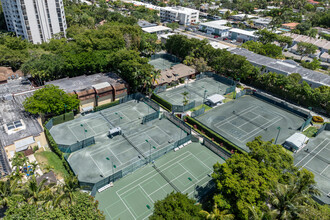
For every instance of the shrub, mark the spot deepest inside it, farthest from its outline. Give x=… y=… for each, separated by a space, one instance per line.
x=181 y=80
x=166 y=105
x=108 y=105
x=35 y=148
x=318 y=119
x=218 y=139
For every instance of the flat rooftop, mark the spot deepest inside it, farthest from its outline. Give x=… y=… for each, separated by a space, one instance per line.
x=218 y=24
x=15 y=86
x=70 y=85
x=156 y=29
x=244 y=32
x=286 y=67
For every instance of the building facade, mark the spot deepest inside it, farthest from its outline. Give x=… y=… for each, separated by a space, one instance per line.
x=215 y=27
x=184 y=16
x=35 y=20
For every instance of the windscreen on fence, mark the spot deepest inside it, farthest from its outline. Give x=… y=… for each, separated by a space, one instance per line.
x=230 y=89
x=198 y=112
x=240 y=94
x=221 y=79
x=216 y=149
x=150 y=117
x=63 y=118
x=306 y=123
x=183 y=108
x=325 y=126
x=160 y=89
x=177 y=122
x=76 y=146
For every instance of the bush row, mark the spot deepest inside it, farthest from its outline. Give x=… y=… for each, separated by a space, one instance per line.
x=108 y=105
x=218 y=139
x=53 y=146
x=165 y=104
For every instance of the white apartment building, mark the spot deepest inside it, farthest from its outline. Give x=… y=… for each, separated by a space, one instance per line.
x=184 y=16
x=35 y=20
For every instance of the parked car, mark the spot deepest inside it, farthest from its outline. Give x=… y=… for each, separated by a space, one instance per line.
x=225 y=38
x=216 y=36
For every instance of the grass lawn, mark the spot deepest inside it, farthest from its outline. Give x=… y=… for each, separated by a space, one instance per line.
x=45 y=158
x=201 y=106
x=310 y=132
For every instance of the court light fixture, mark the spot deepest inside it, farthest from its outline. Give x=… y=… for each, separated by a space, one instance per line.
x=107 y=158
x=189 y=179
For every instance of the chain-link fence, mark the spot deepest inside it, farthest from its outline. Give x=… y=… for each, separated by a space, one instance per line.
x=198 y=112
x=177 y=122
x=183 y=108
x=133 y=166
x=216 y=149
x=240 y=94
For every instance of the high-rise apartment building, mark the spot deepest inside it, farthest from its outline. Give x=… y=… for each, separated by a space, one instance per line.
x=35 y=20
x=185 y=16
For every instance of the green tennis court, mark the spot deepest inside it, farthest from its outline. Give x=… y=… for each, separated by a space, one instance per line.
x=133 y=196
x=197 y=90
x=317 y=160
x=241 y=120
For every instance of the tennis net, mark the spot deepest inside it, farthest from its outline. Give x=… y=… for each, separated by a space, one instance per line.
x=167 y=180
x=137 y=149
x=250 y=121
x=107 y=120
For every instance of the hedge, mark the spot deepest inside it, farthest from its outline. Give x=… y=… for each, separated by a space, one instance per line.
x=163 y=103
x=53 y=146
x=317 y=119
x=213 y=135
x=108 y=105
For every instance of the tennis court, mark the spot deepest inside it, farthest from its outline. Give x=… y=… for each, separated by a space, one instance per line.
x=163 y=61
x=133 y=196
x=317 y=160
x=197 y=90
x=122 y=153
x=241 y=120
x=98 y=123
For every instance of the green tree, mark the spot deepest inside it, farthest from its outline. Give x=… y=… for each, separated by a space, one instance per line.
x=305 y=49
x=217 y=214
x=173 y=25
x=176 y=206
x=315 y=64
x=185 y=98
x=51 y=100
x=284 y=40
x=266 y=36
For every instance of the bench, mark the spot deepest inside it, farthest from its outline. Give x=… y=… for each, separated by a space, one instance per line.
x=105 y=187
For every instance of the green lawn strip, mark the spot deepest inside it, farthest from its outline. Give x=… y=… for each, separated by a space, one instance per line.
x=215 y=137
x=310 y=132
x=201 y=106
x=52 y=160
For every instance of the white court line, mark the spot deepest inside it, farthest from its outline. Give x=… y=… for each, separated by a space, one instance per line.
x=260 y=129
x=203 y=163
x=73 y=134
x=146 y=193
x=142 y=177
x=228 y=119
x=91 y=129
x=311 y=151
x=197 y=183
x=115 y=156
x=324 y=169
x=125 y=205
x=187 y=171
x=315 y=155
x=96 y=165
x=248 y=121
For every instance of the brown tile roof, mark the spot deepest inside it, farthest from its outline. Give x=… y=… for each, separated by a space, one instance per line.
x=174 y=73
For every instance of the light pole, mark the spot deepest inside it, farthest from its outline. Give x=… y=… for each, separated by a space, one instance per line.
x=150 y=150
x=278 y=134
x=205 y=91
x=310 y=110
x=64 y=111
x=113 y=167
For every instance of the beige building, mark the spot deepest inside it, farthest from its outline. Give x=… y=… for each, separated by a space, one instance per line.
x=175 y=73
x=94 y=90
x=19 y=131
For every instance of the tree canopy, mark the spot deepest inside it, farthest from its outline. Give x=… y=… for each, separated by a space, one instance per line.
x=176 y=206
x=51 y=100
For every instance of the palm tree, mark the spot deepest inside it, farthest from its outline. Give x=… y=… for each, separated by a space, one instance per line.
x=8 y=188
x=67 y=191
x=286 y=200
x=217 y=214
x=37 y=193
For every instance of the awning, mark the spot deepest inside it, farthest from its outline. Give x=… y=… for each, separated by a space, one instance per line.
x=216 y=98
x=24 y=143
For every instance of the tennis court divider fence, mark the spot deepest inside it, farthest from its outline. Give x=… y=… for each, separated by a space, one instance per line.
x=177 y=122
x=150 y=117
x=133 y=166
x=76 y=146
x=198 y=112
x=183 y=108
x=325 y=126
x=240 y=94
x=216 y=149
x=306 y=123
